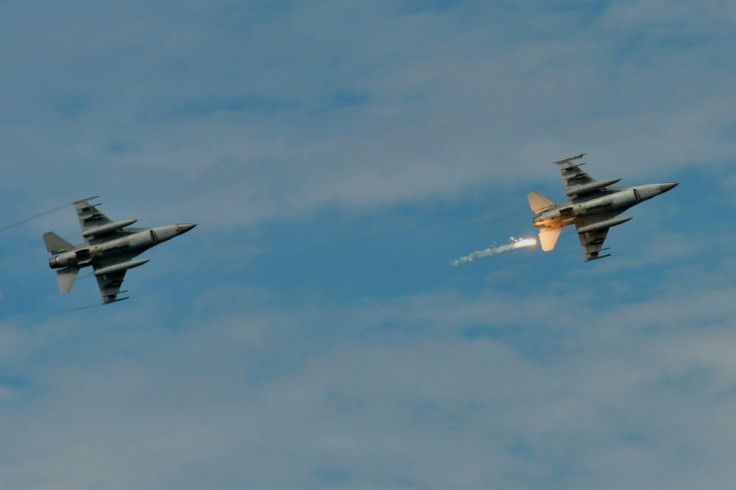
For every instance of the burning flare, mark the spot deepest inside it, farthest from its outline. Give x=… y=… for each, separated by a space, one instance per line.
x=515 y=244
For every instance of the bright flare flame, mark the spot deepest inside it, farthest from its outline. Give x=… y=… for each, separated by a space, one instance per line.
x=515 y=244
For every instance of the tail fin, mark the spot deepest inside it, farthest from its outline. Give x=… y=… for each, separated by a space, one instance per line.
x=538 y=202
x=65 y=279
x=548 y=238
x=54 y=243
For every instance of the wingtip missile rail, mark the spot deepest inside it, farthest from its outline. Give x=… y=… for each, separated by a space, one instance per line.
x=107 y=301
x=599 y=257
x=85 y=199
x=570 y=159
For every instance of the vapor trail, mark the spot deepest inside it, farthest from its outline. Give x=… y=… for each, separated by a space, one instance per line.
x=40 y=215
x=515 y=244
x=78 y=308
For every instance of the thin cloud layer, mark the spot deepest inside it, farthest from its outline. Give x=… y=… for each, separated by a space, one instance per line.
x=277 y=111
x=423 y=392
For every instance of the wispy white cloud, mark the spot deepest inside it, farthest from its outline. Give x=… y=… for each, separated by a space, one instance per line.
x=279 y=111
x=381 y=393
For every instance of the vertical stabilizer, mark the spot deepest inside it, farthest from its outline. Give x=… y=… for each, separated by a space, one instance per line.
x=548 y=238
x=54 y=243
x=65 y=279
x=538 y=202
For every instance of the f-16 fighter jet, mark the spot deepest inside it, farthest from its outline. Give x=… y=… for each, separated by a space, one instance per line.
x=593 y=207
x=109 y=247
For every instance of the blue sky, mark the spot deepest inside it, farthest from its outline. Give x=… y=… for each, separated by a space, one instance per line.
x=310 y=332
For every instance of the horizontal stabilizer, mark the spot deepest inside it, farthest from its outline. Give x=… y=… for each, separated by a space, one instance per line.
x=548 y=238
x=538 y=202
x=65 y=279
x=54 y=243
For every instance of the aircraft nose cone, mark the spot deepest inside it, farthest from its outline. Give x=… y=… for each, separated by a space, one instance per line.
x=666 y=186
x=185 y=227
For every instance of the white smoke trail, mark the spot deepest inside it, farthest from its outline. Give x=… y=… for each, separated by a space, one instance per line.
x=516 y=243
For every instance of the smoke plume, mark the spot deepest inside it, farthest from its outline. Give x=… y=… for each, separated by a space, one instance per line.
x=516 y=243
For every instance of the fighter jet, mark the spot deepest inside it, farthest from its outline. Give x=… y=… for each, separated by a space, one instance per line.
x=109 y=247
x=593 y=207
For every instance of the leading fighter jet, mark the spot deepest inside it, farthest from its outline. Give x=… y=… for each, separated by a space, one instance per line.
x=109 y=247
x=593 y=207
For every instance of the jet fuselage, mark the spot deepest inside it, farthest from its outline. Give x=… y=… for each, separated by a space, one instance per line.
x=593 y=206
x=615 y=201
x=130 y=245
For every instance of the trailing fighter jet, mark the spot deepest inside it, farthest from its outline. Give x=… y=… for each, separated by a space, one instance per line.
x=109 y=247
x=593 y=207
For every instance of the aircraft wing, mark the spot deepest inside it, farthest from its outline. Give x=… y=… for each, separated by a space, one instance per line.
x=92 y=219
x=592 y=241
x=578 y=183
x=110 y=283
x=572 y=175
